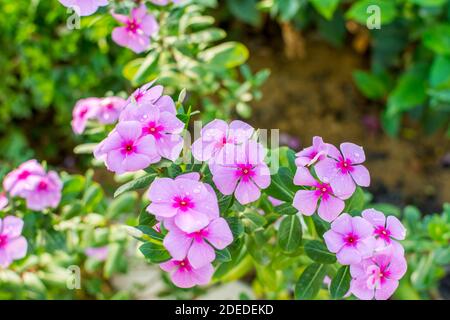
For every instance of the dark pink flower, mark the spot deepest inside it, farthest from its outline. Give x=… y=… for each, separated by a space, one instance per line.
x=306 y=200
x=139 y=26
x=344 y=169
x=184 y=275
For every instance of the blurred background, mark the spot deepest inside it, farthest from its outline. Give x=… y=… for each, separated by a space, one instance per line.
x=387 y=89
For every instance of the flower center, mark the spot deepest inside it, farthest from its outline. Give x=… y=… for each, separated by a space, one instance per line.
x=351 y=240
x=110 y=106
x=245 y=171
x=138 y=96
x=42 y=186
x=83 y=112
x=183 y=203
x=132 y=26
x=154 y=129
x=383 y=233
x=345 y=165
x=376 y=276
x=184 y=265
x=23 y=175
x=3 y=240
x=128 y=148
x=323 y=190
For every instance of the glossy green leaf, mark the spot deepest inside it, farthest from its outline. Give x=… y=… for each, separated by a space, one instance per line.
x=310 y=281
x=318 y=252
x=325 y=7
x=290 y=234
x=137 y=184
x=360 y=13
x=340 y=284
x=154 y=253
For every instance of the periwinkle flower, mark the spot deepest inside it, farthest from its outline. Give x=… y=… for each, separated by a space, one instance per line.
x=306 y=201
x=310 y=155
x=84 y=110
x=184 y=275
x=138 y=29
x=350 y=238
x=19 y=180
x=84 y=7
x=126 y=150
x=109 y=109
x=344 y=169
x=378 y=276
x=13 y=245
x=44 y=192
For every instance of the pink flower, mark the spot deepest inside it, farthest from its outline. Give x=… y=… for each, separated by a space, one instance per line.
x=184 y=275
x=377 y=276
x=13 y=246
x=343 y=170
x=310 y=155
x=165 y=128
x=385 y=230
x=193 y=245
x=84 y=110
x=19 y=180
x=126 y=150
x=98 y=253
x=3 y=201
x=306 y=200
x=241 y=171
x=44 y=192
x=350 y=238
x=216 y=135
x=137 y=30
x=274 y=201
x=109 y=109
x=84 y=7
x=190 y=203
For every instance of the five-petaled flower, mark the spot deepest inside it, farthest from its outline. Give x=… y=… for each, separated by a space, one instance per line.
x=13 y=245
x=139 y=26
x=184 y=275
x=310 y=155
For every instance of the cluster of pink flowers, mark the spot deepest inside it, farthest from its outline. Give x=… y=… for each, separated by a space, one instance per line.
x=235 y=160
x=104 y=110
x=189 y=211
x=148 y=130
x=29 y=181
x=13 y=245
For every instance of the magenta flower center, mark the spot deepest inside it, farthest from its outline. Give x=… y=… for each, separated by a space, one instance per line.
x=83 y=112
x=351 y=240
x=110 y=106
x=3 y=240
x=198 y=235
x=245 y=171
x=42 y=186
x=345 y=165
x=383 y=233
x=154 y=129
x=138 y=96
x=183 y=265
x=128 y=148
x=377 y=275
x=183 y=203
x=23 y=175
x=133 y=26
x=323 y=190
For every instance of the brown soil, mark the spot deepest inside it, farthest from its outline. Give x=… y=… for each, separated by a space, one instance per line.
x=315 y=95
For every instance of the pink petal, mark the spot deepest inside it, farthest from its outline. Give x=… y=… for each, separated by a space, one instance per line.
x=306 y=201
x=343 y=185
x=166 y=104
x=386 y=290
x=326 y=169
x=149 y=25
x=375 y=217
x=240 y=131
x=262 y=176
x=171 y=123
x=135 y=162
x=121 y=36
x=168 y=266
x=203 y=150
x=203 y=275
x=183 y=278
x=163 y=189
x=361 y=175
x=330 y=208
x=396 y=228
x=304 y=178
x=129 y=130
x=191 y=221
x=343 y=224
x=333 y=152
x=162 y=209
x=120 y=17
x=219 y=233
x=170 y=146
x=5 y=259
x=246 y=192
x=225 y=179
x=359 y=288
x=353 y=152
x=397 y=267
x=333 y=240
x=114 y=161
x=138 y=43
x=200 y=254
x=191 y=176
x=361 y=227
x=147 y=146
x=17 y=248
x=12 y=226
x=348 y=255
x=177 y=243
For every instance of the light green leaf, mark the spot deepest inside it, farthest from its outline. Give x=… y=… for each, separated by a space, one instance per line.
x=154 y=253
x=318 y=252
x=310 y=281
x=359 y=11
x=225 y=55
x=325 y=7
x=370 y=85
x=139 y=183
x=340 y=283
x=437 y=39
x=290 y=234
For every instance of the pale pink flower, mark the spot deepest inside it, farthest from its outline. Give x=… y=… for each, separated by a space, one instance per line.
x=164 y=127
x=274 y=201
x=377 y=277
x=385 y=230
x=126 y=150
x=350 y=238
x=306 y=200
x=3 y=201
x=310 y=155
x=44 y=192
x=241 y=171
x=164 y=2
x=198 y=246
x=216 y=135
x=190 y=203
x=13 y=245
x=343 y=169
x=98 y=253
x=184 y=275
x=19 y=180
x=109 y=109
x=84 y=7
x=84 y=110
x=139 y=26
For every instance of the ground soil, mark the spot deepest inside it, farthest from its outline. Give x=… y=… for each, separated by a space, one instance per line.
x=315 y=95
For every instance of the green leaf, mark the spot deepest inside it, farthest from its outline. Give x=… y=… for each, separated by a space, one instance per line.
x=429 y=3
x=281 y=186
x=370 y=85
x=150 y=232
x=139 y=183
x=359 y=11
x=154 y=253
x=325 y=7
x=125 y=203
x=204 y=36
x=310 y=281
x=223 y=255
x=320 y=225
x=236 y=226
x=86 y=148
x=340 y=283
x=253 y=221
x=437 y=39
x=146 y=218
x=290 y=234
x=115 y=252
x=225 y=55
x=440 y=72
x=356 y=202
x=318 y=252
x=225 y=203
x=285 y=209
x=245 y=10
